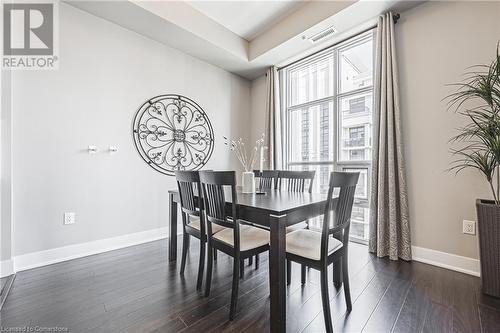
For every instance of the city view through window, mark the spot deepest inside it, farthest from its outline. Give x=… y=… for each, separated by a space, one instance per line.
x=328 y=118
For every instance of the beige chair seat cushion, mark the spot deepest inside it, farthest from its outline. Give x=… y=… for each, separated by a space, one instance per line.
x=298 y=226
x=194 y=222
x=307 y=244
x=250 y=237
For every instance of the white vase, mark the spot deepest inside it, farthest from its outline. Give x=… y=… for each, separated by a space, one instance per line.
x=248 y=182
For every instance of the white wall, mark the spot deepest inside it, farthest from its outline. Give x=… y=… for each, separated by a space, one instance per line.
x=258 y=107
x=436 y=42
x=105 y=74
x=5 y=175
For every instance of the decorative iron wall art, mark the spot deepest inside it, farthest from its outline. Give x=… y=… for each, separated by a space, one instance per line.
x=172 y=132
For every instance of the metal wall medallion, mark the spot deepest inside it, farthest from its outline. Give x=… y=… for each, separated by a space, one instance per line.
x=172 y=132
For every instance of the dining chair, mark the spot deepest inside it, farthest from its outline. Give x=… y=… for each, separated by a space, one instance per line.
x=237 y=240
x=268 y=179
x=296 y=181
x=320 y=249
x=193 y=221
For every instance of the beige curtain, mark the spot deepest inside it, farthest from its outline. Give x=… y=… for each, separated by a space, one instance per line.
x=389 y=221
x=273 y=120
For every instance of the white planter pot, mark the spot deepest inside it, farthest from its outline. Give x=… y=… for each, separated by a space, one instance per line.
x=248 y=182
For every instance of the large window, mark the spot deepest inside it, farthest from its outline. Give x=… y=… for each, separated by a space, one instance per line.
x=328 y=117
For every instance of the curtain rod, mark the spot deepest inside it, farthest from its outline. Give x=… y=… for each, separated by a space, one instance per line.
x=395 y=18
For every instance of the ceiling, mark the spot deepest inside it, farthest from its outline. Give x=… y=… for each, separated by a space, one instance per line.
x=244 y=37
x=247 y=19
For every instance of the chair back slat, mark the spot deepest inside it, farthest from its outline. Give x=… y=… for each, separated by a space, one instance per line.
x=295 y=181
x=268 y=179
x=344 y=205
x=188 y=183
x=213 y=184
x=186 y=192
x=215 y=207
x=338 y=210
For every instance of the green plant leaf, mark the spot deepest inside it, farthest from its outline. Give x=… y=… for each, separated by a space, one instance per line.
x=477 y=99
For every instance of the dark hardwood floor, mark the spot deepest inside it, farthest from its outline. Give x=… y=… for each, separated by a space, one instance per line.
x=137 y=290
x=5 y=285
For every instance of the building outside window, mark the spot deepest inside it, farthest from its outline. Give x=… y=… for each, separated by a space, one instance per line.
x=328 y=119
x=357 y=105
x=356 y=137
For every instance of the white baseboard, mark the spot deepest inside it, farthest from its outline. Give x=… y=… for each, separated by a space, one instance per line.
x=6 y=268
x=446 y=260
x=52 y=256
x=42 y=258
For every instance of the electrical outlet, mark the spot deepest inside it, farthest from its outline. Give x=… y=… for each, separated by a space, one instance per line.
x=69 y=218
x=469 y=227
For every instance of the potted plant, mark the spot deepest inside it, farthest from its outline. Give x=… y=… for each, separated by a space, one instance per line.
x=477 y=146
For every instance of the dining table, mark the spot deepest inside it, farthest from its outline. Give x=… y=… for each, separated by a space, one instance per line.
x=273 y=209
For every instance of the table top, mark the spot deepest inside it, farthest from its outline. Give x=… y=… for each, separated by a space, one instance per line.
x=274 y=201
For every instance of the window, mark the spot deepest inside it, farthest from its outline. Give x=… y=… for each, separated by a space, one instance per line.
x=357 y=105
x=362 y=187
x=327 y=115
x=356 y=137
x=356 y=155
x=359 y=224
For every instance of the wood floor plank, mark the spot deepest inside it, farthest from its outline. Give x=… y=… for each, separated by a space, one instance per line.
x=193 y=314
x=210 y=322
x=490 y=319
x=3 y=282
x=253 y=318
x=416 y=305
x=366 y=303
x=175 y=325
x=465 y=309
x=387 y=311
x=439 y=319
x=358 y=284
x=442 y=311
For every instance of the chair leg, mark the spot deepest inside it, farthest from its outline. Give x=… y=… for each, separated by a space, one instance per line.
x=257 y=261
x=303 y=274
x=201 y=265
x=269 y=274
x=345 y=278
x=185 y=246
x=210 y=265
x=242 y=268
x=234 y=292
x=215 y=254
x=326 y=300
x=288 y=272
x=250 y=261
x=337 y=273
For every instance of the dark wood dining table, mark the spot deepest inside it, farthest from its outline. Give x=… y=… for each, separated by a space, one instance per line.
x=274 y=209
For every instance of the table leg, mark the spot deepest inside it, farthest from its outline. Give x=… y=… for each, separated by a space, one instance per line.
x=172 y=230
x=277 y=257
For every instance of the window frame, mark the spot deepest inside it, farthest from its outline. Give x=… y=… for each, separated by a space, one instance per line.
x=336 y=163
